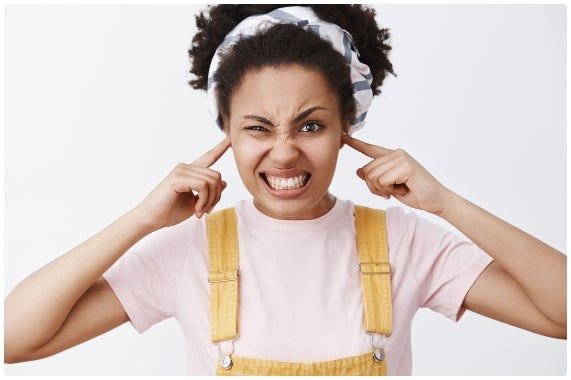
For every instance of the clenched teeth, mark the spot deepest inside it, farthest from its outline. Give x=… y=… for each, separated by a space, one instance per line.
x=280 y=183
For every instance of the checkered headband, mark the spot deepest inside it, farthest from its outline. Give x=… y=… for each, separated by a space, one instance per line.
x=304 y=17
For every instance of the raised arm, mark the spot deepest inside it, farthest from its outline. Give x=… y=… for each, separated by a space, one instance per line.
x=525 y=286
x=67 y=301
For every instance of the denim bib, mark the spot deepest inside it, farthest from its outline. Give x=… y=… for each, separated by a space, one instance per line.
x=375 y=277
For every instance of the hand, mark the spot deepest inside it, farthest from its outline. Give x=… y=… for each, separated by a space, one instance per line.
x=188 y=190
x=394 y=172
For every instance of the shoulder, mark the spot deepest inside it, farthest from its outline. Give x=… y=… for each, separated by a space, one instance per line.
x=408 y=226
x=177 y=237
x=422 y=245
x=164 y=250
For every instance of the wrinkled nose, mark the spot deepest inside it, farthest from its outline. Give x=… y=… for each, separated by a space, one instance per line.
x=284 y=151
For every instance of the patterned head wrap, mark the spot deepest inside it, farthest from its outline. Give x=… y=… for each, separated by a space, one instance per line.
x=304 y=17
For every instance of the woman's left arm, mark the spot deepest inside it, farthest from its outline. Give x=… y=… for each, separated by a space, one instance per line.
x=526 y=284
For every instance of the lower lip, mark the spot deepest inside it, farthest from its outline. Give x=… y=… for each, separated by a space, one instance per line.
x=288 y=193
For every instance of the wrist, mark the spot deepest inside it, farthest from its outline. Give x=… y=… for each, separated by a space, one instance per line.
x=139 y=222
x=449 y=205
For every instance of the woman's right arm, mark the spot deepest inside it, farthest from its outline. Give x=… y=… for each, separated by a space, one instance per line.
x=67 y=301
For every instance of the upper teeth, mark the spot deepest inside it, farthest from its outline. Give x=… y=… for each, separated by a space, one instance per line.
x=280 y=183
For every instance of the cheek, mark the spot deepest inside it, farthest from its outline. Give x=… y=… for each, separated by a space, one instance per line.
x=324 y=158
x=246 y=155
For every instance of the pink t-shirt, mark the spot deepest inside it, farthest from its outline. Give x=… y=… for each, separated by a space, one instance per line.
x=300 y=286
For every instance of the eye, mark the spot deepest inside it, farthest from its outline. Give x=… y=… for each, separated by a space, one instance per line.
x=310 y=127
x=257 y=128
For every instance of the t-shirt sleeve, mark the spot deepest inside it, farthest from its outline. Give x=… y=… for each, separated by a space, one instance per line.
x=443 y=265
x=147 y=277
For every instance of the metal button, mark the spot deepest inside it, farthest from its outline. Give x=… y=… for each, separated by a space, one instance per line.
x=226 y=362
x=379 y=355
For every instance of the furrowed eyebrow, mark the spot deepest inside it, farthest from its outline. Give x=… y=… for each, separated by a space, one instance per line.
x=297 y=119
x=259 y=119
x=306 y=113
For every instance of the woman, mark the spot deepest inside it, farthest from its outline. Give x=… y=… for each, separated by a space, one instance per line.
x=313 y=170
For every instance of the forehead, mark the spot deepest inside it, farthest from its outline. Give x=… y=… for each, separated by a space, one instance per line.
x=281 y=91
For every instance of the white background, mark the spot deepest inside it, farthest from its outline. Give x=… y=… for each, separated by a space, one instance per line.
x=97 y=112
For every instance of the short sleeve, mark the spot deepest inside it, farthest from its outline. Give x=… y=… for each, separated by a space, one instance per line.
x=147 y=277
x=444 y=266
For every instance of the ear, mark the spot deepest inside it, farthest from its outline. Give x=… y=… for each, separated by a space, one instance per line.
x=226 y=128
x=345 y=131
x=225 y=120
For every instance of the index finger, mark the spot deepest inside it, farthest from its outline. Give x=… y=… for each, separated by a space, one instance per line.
x=210 y=157
x=367 y=149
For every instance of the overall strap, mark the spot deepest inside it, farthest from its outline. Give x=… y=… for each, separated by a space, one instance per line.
x=375 y=269
x=223 y=277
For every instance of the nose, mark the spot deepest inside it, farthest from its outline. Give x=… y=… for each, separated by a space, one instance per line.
x=284 y=152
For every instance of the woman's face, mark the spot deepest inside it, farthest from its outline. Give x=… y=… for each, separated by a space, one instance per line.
x=285 y=128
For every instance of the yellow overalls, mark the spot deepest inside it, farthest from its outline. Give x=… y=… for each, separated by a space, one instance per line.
x=223 y=279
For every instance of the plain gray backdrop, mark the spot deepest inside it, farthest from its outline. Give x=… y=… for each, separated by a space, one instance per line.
x=98 y=111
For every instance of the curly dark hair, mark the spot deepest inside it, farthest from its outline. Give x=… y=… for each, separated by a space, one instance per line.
x=287 y=43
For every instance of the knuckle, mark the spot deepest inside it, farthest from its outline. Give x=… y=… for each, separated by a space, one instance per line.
x=180 y=166
x=202 y=188
x=214 y=176
x=382 y=181
x=177 y=176
x=178 y=171
x=371 y=186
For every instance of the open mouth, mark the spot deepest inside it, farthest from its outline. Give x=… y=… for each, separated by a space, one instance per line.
x=289 y=183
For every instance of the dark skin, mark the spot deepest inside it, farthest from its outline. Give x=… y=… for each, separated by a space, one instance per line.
x=525 y=286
